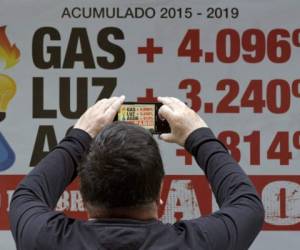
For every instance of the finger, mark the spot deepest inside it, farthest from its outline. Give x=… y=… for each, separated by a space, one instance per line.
x=98 y=106
x=167 y=101
x=114 y=107
x=100 y=102
x=116 y=103
x=167 y=137
x=166 y=113
x=161 y=117
x=164 y=100
x=106 y=104
x=177 y=101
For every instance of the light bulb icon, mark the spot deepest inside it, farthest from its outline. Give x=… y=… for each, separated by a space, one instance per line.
x=7 y=92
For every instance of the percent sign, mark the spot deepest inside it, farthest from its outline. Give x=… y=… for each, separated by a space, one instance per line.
x=296 y=38
x=296 y=88
x=282 y=89
x=296 y=140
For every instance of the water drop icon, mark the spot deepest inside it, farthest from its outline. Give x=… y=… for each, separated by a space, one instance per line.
x=7 y=155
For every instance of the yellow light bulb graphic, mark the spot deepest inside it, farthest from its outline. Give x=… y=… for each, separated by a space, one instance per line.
x=7 y=92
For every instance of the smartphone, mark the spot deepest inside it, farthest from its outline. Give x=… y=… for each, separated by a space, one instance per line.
x=145 y=115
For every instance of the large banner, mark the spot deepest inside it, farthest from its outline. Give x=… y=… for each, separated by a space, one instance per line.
x=236 y=63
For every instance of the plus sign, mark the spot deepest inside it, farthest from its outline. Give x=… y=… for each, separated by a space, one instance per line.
x=188 y=159
x=150 y=50
x=148 y=98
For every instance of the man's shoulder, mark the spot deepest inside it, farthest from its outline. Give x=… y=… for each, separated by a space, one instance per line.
x=66 y=233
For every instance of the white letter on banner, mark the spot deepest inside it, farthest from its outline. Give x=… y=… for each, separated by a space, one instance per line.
x=63 y=202
x=282 y=203
x=181 y=203
x=9 y=197
x=76 y=201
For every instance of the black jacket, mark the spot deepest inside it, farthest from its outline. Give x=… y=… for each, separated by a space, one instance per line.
x=35 y=225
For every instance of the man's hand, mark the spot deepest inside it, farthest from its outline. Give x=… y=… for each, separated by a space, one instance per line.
x=99 y=115
x=181 y=118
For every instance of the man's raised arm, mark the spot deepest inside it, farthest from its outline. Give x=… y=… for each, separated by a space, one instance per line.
x=241 y=213
x=36 y=196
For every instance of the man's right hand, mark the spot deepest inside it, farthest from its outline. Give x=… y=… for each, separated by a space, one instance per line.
x=99 y=115
x=182 y=120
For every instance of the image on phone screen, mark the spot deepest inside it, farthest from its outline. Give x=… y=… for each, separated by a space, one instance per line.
x=145 y=115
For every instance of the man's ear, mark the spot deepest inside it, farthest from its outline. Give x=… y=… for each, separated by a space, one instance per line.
x=159 y=201
x=87 y=208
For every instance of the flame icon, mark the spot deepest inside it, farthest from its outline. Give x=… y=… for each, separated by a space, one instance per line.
x=10 y=54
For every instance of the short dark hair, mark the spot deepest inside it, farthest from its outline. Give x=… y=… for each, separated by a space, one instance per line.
x=122 y=169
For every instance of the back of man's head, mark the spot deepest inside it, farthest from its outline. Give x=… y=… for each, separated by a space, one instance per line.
x=123 y=168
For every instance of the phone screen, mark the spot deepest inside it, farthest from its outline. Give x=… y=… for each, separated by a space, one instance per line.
x=144 y=115
x=138 y=114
